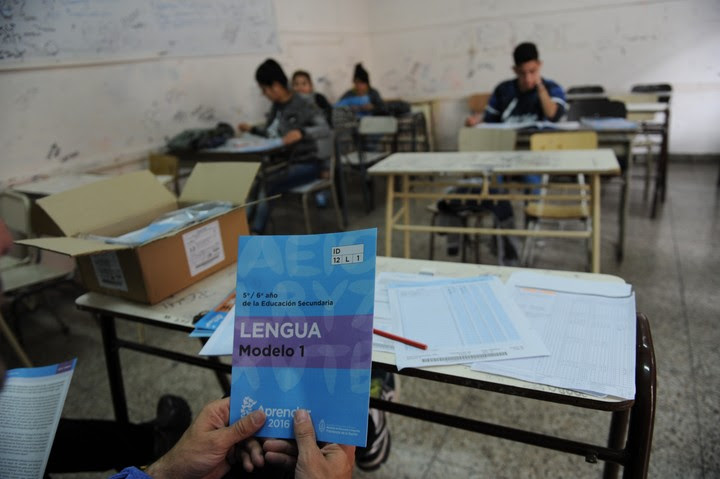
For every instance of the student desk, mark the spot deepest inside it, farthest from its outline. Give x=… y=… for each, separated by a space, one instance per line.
x=447 y=169
x=631 y=422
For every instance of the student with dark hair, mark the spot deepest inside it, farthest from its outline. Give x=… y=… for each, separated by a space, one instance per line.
x=302 y=85
x=362 y=98
x=299 y=123
x=527 y=97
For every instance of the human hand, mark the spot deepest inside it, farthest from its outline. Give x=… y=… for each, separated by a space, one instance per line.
x=6 y=239
x=473 y=120
x=243 y=127
x=204 y=449
x=332 y=461
x=250 y=453
x=291 y=137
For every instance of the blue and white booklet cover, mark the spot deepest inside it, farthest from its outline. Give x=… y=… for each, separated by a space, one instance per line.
x=303 y=332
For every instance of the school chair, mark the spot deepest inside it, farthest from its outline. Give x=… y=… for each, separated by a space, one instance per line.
x=478 y=102
x=596 y=108
x=662 y=90
x=308 y=190
x=362 y=143
x=645 y=146
x=586 y=90
x=160 y=164
x=470 y=139
x=25 y=275
x=559 y=211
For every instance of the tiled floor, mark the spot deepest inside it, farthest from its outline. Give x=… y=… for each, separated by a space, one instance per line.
x=672 y=262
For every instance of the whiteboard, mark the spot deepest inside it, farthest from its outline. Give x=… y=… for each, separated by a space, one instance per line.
x=55 y=32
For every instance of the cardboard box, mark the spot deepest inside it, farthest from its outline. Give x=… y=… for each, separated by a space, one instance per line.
x=159 y=268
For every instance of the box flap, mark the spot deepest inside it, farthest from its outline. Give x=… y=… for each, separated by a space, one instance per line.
x=226 y=181
x=94 y=207
x=71 y=246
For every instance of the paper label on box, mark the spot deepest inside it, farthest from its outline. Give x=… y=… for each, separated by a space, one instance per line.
x=204 y=248
x=108 y=271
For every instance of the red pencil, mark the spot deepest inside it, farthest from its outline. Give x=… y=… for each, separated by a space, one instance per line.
x=400 y=339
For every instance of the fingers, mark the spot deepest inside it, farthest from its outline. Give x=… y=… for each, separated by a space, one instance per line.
x=251 y=454
x=281 y=460
x=304 y=432
x=281 y=446
x=242 y=429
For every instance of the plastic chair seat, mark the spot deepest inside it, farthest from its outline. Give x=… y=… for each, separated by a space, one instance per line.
x=369 y=157
x=548 y=211
x=316 y=185
x=16 y=279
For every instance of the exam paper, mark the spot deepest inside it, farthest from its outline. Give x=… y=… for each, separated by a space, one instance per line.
x=383 y=318
x=589 y=327
x=30 y=406
x=461 y=321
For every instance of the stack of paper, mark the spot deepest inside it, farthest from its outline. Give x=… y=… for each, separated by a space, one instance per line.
x=461 y=321
x=589 y=328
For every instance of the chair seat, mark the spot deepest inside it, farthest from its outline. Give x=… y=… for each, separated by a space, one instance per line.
x=8 y=262
x=371 y=157
x=315 y=185
x=556 y=211
x=32 y=274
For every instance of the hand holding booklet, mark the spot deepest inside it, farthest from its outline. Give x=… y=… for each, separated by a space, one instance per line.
x=303 y=332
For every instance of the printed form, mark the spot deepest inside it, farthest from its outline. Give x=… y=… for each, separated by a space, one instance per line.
x=589 y=327
x=461 y=321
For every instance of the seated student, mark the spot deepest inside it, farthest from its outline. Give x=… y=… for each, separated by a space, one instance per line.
x=362 y=98
x=528 y=97
x=298 y=123
x=302 y=85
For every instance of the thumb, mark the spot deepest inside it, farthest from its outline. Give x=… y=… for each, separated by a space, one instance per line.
x=304 y=432
x=242 y=429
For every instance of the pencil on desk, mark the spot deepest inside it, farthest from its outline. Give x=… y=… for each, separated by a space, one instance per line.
x=400 y=339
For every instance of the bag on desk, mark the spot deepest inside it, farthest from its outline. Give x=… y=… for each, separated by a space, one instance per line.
x=200 y=138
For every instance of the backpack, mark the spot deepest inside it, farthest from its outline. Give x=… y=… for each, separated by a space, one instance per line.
x=200 y=138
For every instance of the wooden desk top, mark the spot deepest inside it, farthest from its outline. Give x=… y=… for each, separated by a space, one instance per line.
x=601 y=161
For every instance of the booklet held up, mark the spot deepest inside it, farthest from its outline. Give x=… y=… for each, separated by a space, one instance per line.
x=303 y=332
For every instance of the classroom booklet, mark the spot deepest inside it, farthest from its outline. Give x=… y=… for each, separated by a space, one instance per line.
x=303 y=332
x=31 y=402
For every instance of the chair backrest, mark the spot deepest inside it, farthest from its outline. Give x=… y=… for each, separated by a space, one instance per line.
x=163 y=164
x=583 y=89
x=663 y=90
x=596 y=108
x=486 y=139
x=565 y=140
x=344 y=127
x=378 y=125
x=478 y=102
x=15 y=212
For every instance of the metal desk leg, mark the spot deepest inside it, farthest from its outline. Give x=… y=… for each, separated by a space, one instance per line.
x=616 y=440
x=112 y=361
x=406 y=214
x=595 y=223
x=624 y=204
x=389 y=214
x=642 y=414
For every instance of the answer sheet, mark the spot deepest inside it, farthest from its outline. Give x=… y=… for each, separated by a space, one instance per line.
x=461 y=321
x=589 y=327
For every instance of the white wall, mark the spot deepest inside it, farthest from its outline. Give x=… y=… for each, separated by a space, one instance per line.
x=71 y=117
x=427 y=49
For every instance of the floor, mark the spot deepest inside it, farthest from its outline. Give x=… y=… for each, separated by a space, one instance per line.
x=671 y=261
